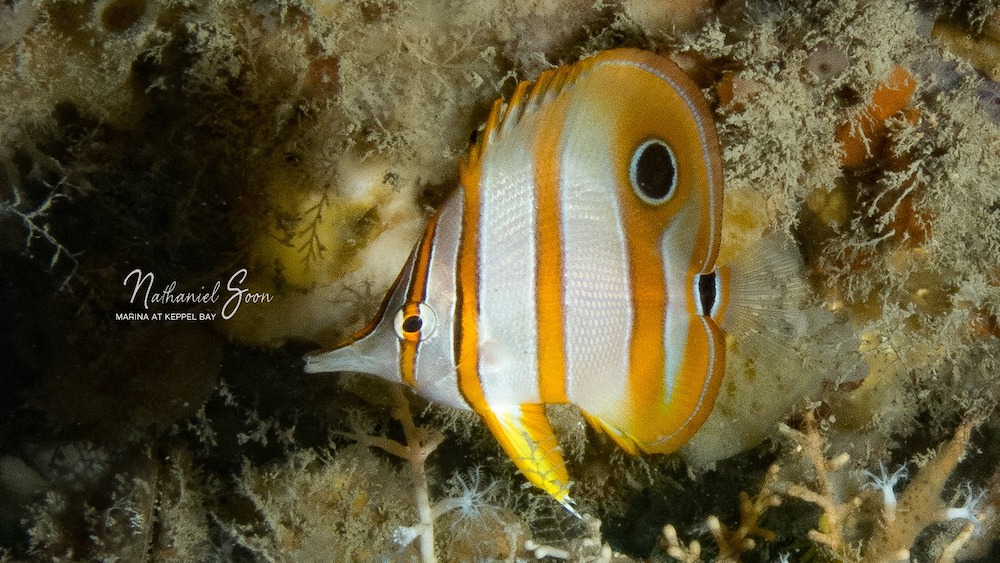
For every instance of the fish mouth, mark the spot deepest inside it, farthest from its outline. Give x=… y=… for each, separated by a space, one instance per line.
x=337 y=359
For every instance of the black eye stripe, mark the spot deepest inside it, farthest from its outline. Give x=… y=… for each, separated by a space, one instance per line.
x=653 y=172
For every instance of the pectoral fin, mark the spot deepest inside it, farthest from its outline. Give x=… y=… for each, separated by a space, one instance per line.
x=526 y=435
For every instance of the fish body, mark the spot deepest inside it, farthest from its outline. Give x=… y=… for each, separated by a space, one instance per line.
x=574 y=263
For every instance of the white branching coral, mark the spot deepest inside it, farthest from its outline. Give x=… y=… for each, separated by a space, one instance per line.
x=811 y=446
x=920 y=503
x=420 y=443
x=732 y=543
x=842 y=529
x=690 y=553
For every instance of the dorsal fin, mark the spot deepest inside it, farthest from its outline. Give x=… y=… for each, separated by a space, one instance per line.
x=527 y=98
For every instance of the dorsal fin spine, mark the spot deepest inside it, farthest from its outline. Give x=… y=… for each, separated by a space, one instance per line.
x=527 y=97
x=560 y=78
x=540 y=89
x=516 y=106
x=488 y=131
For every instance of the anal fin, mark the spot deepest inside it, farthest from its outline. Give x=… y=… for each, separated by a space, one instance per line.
x=526 y=435
x=623 y=440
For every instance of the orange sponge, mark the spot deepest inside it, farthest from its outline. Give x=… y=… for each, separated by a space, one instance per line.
x=861 y=136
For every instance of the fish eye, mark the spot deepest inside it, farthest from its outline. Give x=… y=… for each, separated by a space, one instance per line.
x=653 y=172
x=706 y=293
x=414 y=321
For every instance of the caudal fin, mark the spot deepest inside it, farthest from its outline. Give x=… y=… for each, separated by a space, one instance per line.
x=766 y=293
x=769 y=322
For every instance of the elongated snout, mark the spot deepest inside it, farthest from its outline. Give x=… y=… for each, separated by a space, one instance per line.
x=373 y=354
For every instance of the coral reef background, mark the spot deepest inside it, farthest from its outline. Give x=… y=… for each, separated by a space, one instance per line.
x=307 y=141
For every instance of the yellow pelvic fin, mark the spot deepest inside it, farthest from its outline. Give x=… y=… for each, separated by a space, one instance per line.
x=621 y=438
x=527 y=437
